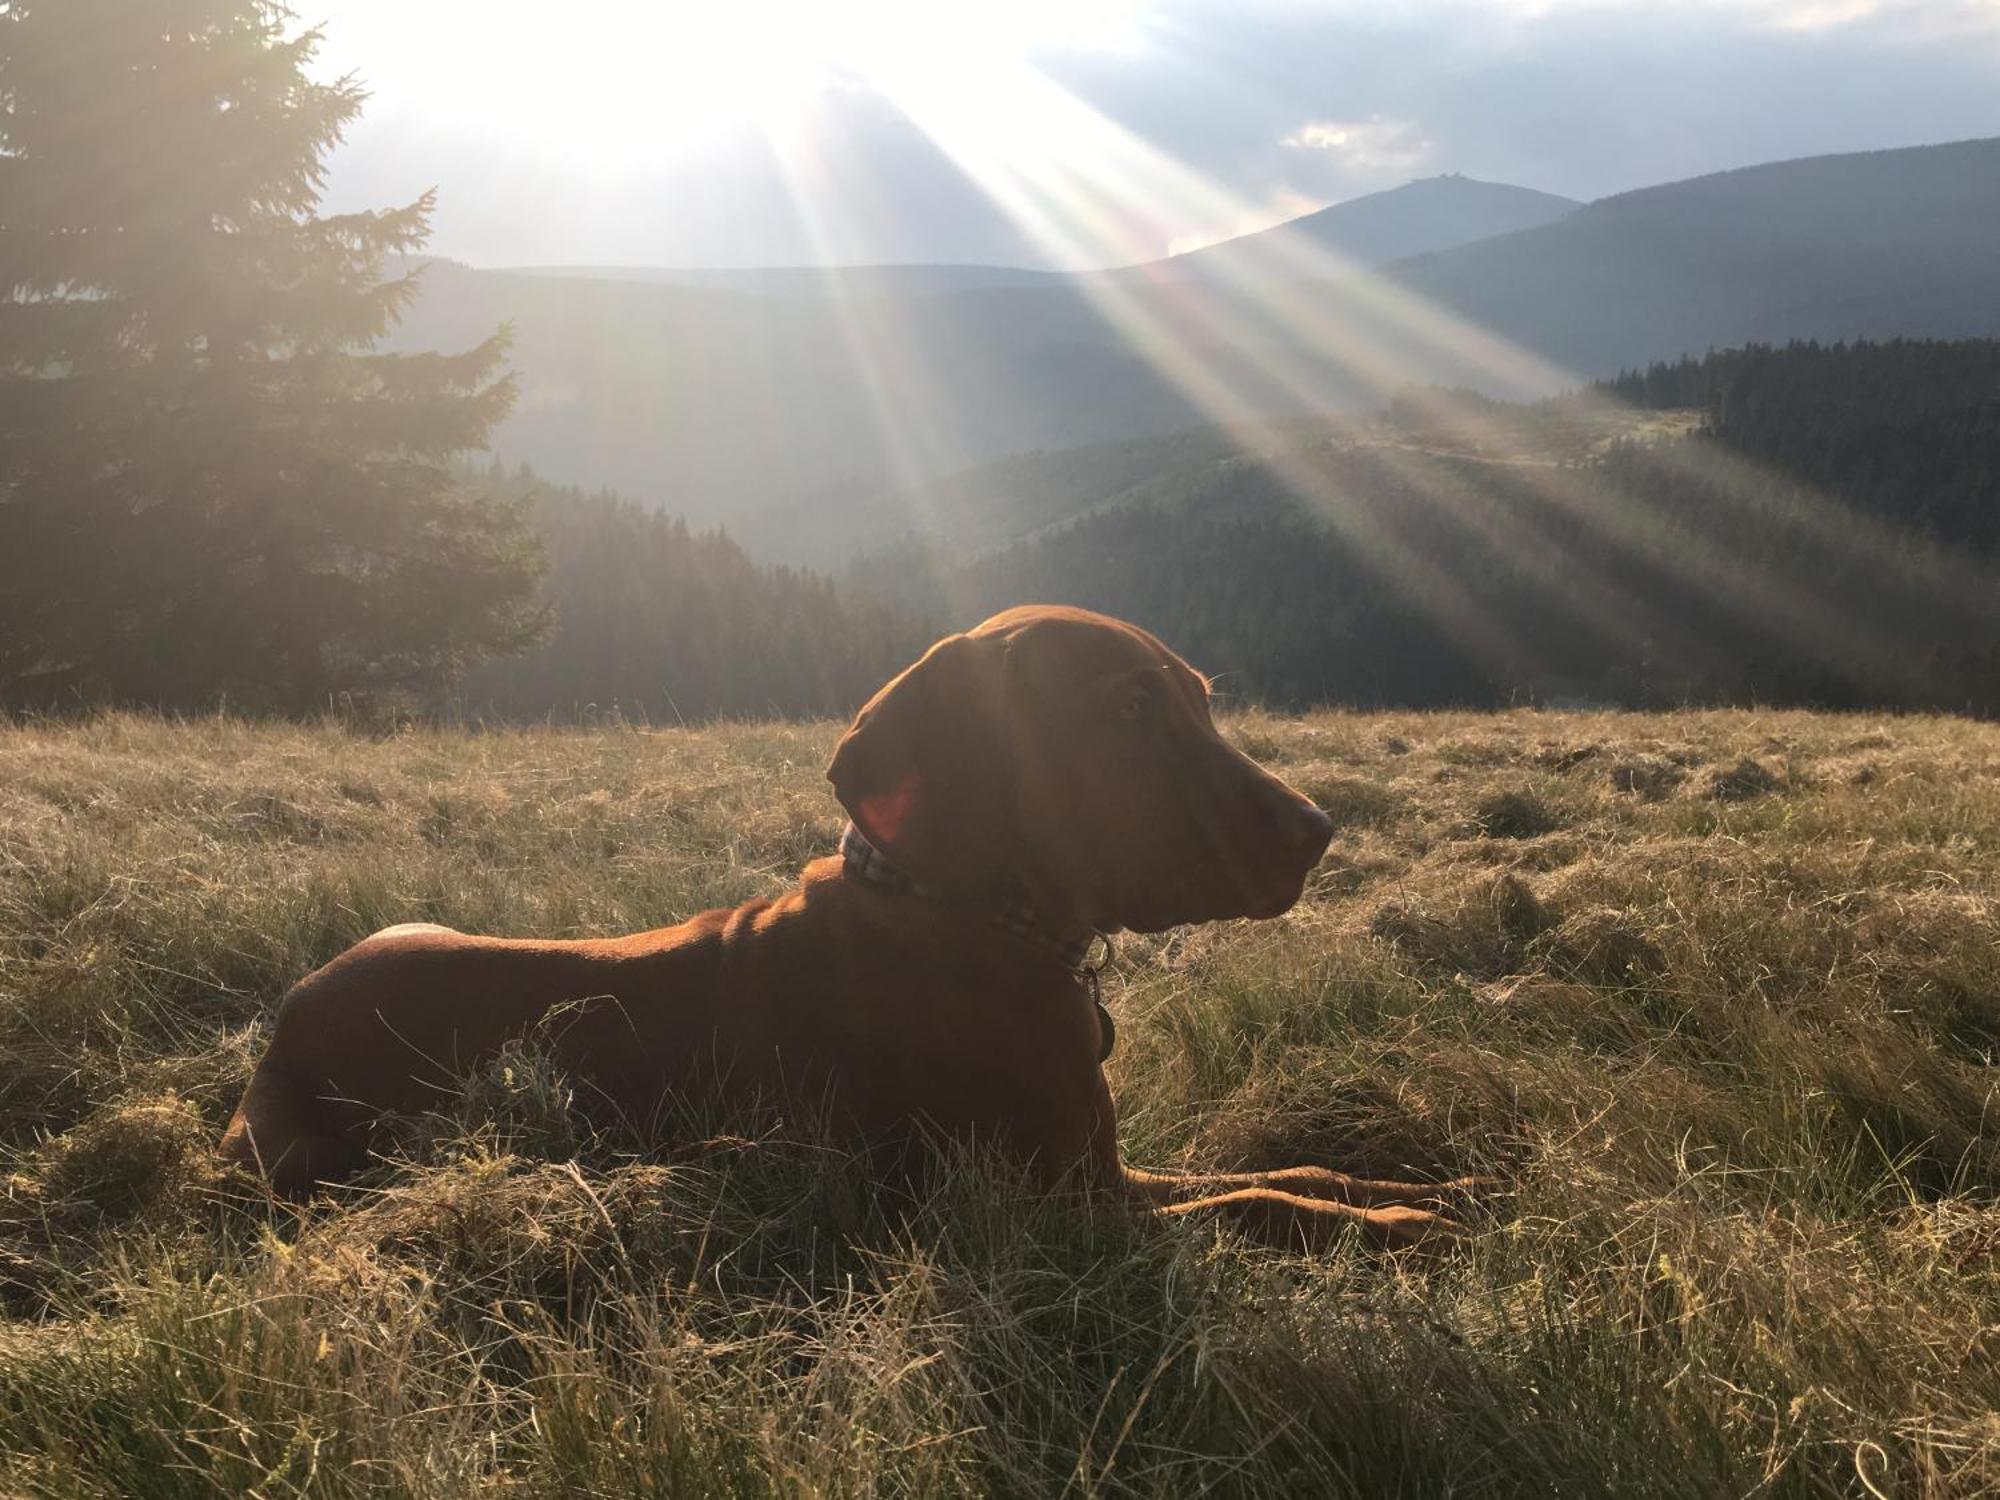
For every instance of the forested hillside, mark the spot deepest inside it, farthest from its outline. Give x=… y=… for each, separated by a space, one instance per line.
x=993 y=504
x=751 y=391
x=660 y=622
x=744 y=392
x=1908 y=430
x=1823 y=536
x=1809 y=525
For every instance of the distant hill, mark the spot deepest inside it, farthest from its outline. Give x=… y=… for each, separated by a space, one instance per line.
x=1034 y=497
x=813 y=281
x=714 y=404
x=1872 y=245
x=804 y=410
x=990 y=505
x=1815 y=525
x=1436 y=213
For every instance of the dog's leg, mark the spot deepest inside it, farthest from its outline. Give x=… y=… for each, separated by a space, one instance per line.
x=1292 y=1222
x=277 y=1133
x=1164 y=1188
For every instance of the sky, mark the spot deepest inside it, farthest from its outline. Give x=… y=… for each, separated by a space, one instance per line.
x=1070 y=133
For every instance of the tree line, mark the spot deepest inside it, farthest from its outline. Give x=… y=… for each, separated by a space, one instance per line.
x=658 y=621
x=1824 y=537
x=1908 y=429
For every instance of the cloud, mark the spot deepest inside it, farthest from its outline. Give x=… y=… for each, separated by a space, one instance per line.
x=1920 y=19
x=1283 y=104
x=1913 y=20
x=1375 y=144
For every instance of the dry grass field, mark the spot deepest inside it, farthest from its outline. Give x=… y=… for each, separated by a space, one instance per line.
x=1717 y=996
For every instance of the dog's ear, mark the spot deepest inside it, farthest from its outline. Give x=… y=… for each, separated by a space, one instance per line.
x=927 y=771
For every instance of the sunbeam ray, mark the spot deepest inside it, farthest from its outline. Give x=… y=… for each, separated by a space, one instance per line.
x=1323 y=332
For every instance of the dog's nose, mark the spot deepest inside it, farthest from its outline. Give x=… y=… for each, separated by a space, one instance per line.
x=1309 y=829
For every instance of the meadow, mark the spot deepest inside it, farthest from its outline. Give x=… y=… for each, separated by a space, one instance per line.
x=1714 y=996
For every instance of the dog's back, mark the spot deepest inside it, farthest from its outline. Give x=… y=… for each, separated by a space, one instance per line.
x=819 y=996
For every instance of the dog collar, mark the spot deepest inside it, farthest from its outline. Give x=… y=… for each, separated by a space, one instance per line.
x=869 y=864
x=1085 y=958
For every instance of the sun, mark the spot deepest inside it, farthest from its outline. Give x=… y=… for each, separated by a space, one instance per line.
x=620 y=82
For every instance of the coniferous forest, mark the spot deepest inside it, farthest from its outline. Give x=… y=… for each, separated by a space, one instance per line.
x=1907 y=431
x=659 y=622
x=214 y=487
x=1816 y=527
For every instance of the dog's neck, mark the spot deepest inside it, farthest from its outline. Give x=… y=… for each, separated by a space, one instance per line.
x=1076 y=947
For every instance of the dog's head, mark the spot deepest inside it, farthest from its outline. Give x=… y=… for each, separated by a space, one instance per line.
x=1068 y=759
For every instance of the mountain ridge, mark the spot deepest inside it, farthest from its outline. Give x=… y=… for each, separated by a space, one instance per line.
x=1372 y=229
x=1424 y=215
x=724 y=404
x=1867 y=244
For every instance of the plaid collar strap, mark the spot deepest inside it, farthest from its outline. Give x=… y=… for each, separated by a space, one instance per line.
x=867 y=863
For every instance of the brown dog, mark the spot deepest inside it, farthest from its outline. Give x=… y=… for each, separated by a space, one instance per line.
x=1051 y=776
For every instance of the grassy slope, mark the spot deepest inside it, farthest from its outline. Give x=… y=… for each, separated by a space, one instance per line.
x=1717 y=994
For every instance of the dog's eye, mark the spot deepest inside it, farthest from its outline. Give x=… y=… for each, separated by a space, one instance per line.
x=1134 y=707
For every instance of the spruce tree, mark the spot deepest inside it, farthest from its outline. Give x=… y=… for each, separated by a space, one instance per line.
x=212 y=488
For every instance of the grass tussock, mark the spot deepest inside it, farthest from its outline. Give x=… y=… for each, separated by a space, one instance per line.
x=1716 y=996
